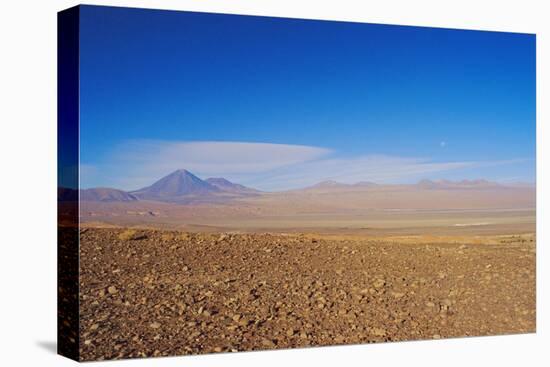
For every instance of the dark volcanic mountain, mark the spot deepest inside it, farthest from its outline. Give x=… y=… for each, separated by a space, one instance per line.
x=228 y=186
x=106 y=195
x=176 y=186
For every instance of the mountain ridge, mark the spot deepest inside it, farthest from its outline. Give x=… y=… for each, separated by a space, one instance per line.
x=226 y=185
x=106 y=194
x=182 y=186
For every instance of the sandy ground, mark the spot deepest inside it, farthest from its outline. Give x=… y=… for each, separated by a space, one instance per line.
x=156 y=293
x=365 y=222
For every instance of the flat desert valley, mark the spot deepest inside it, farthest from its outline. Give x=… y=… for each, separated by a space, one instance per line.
x=237 y=269
x=183 y=201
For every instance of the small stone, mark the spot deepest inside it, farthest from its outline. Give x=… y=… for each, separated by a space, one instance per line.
x=430 y=304
x=267 y=343
x=94 y=327
x=217 y=349
x=377 y=331
x=379 y=283
x=290 y=332
x=154 y=325
x=112 y=290
x=87 y=342
x=195 y=334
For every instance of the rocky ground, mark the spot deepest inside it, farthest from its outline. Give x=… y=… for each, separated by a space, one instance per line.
x=157 y=293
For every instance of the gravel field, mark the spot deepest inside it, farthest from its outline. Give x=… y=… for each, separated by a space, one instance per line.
x=159 y=293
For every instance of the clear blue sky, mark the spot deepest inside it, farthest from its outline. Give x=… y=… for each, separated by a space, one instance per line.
x=154 y=81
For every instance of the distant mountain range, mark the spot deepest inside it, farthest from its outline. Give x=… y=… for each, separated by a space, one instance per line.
x=464 y=184
x=182 y=186
x=423 y=184
x=103 y=194
x=106 y=194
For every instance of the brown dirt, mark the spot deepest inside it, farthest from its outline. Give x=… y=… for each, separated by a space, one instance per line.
x=157 y=293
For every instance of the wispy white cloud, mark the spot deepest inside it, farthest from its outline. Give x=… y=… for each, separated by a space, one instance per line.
x=138 y=163
x=265 y=166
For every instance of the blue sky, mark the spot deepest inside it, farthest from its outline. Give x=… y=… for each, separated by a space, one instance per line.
x=281 y=103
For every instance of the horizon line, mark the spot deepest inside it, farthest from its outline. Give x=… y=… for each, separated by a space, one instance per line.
x=331 y=181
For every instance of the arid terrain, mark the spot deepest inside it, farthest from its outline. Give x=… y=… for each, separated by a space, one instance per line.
x=147 y=292
x=185 y=202
x=188 y=266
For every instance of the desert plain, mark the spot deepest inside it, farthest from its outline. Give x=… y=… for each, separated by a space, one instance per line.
x=333 y=264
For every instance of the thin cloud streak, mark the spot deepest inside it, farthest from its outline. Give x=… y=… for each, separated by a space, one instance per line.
x=138 y=163
x=265 y=166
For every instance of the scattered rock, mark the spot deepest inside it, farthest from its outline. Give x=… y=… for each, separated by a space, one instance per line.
x=267 y=343
x=154 y=325
x=377 y=331
x=242 y=297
